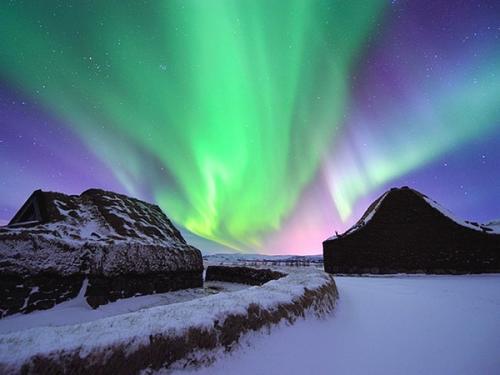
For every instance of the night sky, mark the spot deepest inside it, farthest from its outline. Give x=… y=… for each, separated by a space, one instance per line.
x=261 y=125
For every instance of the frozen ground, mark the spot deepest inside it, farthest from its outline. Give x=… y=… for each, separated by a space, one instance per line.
x=386 y=325
x=78 y=311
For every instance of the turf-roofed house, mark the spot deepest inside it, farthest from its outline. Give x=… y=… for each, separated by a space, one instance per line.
x=103 y=245
x=404 y=231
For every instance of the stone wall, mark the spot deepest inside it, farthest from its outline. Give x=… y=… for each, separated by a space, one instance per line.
x=242 y=275
x=39 y=292
x=102 y=290
x=44 y=291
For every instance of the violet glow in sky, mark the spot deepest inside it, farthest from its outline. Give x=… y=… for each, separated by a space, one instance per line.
x=262 y=126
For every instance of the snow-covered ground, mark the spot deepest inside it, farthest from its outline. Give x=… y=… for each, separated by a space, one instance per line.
x=381 y=325
x=78 y=311
x=386 y=325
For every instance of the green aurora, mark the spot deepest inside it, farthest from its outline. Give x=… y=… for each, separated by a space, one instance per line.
x=237 y=101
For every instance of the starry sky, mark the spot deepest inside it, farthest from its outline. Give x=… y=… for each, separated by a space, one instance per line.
x=256 y=125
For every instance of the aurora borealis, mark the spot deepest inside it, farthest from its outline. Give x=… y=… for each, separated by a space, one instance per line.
x=259 y=125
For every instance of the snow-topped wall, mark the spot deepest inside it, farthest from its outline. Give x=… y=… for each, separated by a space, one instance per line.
x=158 y=337
x=121 y=245
x=405 y=231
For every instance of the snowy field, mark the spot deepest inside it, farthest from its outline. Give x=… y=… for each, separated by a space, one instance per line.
x=386 y=325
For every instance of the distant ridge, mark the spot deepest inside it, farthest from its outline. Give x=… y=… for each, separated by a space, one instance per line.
x=406 y=231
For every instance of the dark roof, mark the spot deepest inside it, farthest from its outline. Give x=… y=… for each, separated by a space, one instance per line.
x=33 y=211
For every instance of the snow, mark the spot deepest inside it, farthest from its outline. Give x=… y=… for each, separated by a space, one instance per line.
x=495 y=228
x=367 y=217
x=89 y=225
x=386 y=325
x=33 y=290
x=135 y=328
x=374 y=210
x=78 y=311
